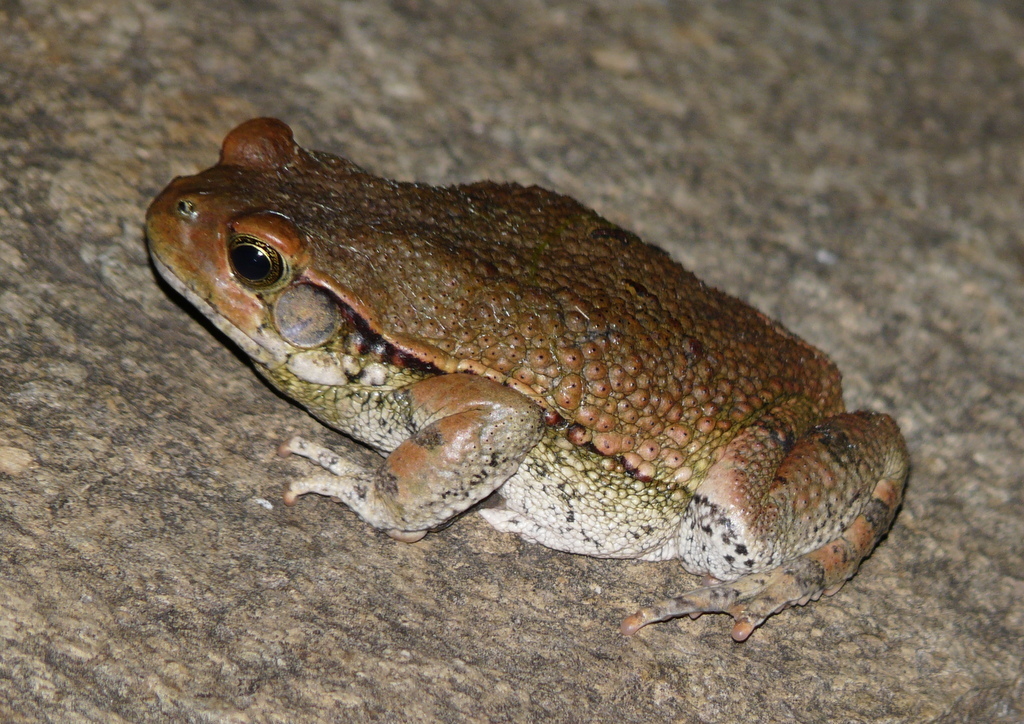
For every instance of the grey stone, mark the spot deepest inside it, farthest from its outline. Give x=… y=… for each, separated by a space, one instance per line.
x=853 y=168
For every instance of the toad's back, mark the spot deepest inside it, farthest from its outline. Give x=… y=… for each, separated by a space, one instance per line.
x=642 y=359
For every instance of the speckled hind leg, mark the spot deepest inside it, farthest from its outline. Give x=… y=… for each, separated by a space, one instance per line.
x=861 y=455
x=467 y=435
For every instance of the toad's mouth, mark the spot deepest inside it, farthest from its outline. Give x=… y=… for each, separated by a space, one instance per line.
x=263 y=346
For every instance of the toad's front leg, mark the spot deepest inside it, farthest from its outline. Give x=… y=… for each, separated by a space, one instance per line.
x=467 y=436
x=783 y=521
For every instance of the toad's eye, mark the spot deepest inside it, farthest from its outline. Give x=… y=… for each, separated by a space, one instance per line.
x=186 y=209
x=254 y=261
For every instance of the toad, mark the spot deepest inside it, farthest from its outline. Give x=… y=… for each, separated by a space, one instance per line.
x=492 y=338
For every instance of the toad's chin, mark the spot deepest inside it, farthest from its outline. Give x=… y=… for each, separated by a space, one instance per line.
x=268 y=350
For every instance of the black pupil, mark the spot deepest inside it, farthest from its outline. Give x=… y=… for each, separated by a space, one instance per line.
x=251 y=262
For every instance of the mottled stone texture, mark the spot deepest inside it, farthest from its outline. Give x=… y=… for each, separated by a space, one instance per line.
x=853 y=168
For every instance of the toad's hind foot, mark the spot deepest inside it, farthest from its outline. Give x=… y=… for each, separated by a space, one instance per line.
x=749 y=600
x=753 y=598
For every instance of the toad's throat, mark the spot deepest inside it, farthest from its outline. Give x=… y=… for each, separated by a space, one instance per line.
x=265 y=348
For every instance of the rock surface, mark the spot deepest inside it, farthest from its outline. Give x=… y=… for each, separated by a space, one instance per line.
x=853 y=168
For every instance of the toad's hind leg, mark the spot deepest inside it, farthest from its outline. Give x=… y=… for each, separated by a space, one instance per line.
x=466 y=436
x=854 y=462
